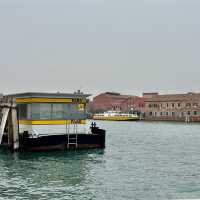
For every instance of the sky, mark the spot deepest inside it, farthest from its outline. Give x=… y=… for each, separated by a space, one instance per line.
x=129 y=46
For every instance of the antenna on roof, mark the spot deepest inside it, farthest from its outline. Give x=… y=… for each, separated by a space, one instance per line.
x=79 y=90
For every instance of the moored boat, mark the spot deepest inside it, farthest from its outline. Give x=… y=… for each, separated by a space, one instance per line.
x=47 y=121
x=116 y=116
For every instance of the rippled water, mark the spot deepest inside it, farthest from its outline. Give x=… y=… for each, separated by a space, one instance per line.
x=142 y=160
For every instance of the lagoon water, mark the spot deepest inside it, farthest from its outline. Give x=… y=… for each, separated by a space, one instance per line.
x=142 y=160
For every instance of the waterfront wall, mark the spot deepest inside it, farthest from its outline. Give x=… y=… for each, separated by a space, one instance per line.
x=175 y=119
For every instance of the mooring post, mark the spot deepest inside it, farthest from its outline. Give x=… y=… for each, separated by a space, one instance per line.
x=10 y=131
x=4 y=116
x=15 y=128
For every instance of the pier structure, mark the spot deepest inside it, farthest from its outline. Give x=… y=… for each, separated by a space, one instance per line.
x=47 y=121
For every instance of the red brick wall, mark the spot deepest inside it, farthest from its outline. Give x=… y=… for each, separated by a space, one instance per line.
x=104 y=102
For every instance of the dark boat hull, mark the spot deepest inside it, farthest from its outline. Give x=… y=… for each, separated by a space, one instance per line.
x=96 y=139
x=60 y=142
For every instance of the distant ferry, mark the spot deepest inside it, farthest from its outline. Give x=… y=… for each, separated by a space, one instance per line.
x=116 y=116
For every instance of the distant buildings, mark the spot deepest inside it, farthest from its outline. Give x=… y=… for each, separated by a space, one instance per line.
x=153 y=106
x=173 y=107
x=116 y=101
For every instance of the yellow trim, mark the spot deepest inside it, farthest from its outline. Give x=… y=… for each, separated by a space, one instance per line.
x=51 y=122
x=43 y=100
x=81 y=106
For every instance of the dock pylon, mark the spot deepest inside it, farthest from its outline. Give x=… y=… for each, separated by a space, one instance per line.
x=9 y=122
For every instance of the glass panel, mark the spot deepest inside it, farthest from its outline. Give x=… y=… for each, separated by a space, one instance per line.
x=57 y=111
x=75 y=112
x=45 y=111
x=72 y=111
x=35 y=111
x=29 y=111
x=40 y=111
x=22 y=111
x=67 y=111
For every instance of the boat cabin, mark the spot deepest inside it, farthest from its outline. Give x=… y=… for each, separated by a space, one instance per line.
x=37 y=112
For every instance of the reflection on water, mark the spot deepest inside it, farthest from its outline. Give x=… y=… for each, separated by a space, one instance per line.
x=141 y=161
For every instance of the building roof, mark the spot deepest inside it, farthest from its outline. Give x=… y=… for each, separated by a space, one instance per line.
x=48 y=95
x=175 y=97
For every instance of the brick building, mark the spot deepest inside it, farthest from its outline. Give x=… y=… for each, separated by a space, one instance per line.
x=116 y=101
x=172 y=107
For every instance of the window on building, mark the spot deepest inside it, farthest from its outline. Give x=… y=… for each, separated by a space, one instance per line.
x=155 y=114
x=195 y=105
x=22 y=111
x=57 y=111
x=166 y=113
x=172 y=105
x=150 y=113
x=45 y=111
x=188 y=104
x=35 y=111
x=195 y=112
x=53 y=111
x=188 y=112
x=161 y=113
x=167 y=105
x=179 y=105
x=40 y=111
x=173 y=114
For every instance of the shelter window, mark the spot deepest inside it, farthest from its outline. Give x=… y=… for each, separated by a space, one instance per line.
x=57 y=111
x=22 y=111
x=53 y=111
x=41 y=111
x=45 y=111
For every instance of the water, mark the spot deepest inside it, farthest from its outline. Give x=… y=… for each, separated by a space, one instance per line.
x=142 y=160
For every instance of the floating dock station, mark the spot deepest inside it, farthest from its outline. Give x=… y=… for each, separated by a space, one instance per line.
x=47 y=121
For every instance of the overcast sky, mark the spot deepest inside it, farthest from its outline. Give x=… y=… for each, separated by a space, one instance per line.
x=129 y=46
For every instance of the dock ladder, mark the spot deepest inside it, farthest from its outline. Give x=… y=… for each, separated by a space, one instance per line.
x=72 y=137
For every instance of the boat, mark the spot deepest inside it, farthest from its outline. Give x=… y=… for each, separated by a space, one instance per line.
x=47 y=121
x=116 y=116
